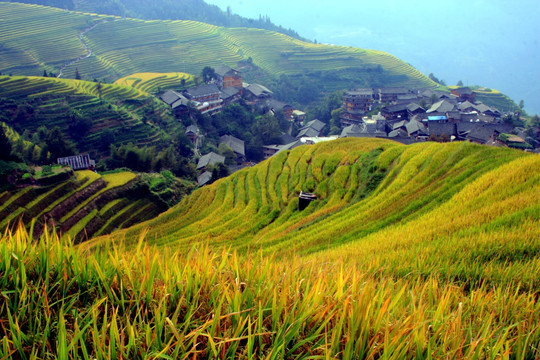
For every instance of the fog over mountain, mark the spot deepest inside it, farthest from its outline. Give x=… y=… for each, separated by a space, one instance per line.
x=490 y=43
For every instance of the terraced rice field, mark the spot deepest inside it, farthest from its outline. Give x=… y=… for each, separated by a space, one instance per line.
x=79 y=207
x=132 y=115
x=156 y=82
x=127 y=46
x=409 y=252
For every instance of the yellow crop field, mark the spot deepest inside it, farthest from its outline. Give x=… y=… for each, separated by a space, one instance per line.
x=428 y=251
x=155 y=82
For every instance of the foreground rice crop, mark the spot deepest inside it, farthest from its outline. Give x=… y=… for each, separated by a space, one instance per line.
x=62 y=301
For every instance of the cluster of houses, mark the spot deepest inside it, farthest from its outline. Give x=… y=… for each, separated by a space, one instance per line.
x=211 y=159
x=227 y=87
x=406 y=117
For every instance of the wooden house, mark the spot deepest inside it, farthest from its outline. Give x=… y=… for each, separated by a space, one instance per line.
x=228 y=77
x=237 y=145
x=464 y=94
x=78 y=162
x=209 y=159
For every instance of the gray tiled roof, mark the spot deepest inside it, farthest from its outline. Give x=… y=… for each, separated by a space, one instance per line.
x=441 y=107
x=234 y=143
x=210 y=159
x=314 y=124
x=169 y=97
x=202 y=90
x=258 y=90
x=204 y=178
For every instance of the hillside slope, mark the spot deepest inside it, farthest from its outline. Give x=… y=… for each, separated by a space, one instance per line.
x=83 y=204
x=93 y=115
x=36 y=37
x=375 y=199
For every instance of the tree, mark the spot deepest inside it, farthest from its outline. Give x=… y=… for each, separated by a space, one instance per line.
x=433 y=78
x=77 y=74
x=58 y=145
x=5 y=145
x=45 y=73
x=208 y=73
x=219 y=171
x=230 y=156
x=460 y=83
x=521 y=104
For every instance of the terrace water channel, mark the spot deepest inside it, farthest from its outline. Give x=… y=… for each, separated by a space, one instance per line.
x=89 y=51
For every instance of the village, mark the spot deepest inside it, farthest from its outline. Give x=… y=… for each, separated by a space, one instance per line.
x=403 y=115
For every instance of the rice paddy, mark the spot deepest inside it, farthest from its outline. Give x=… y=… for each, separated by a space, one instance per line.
x=121 y=47
x=85 y=204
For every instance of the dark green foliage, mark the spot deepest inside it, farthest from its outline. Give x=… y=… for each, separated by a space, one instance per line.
x=219 y=171
x=5 y=145
x=58 y=145
x=148 y=159
x=208 y=73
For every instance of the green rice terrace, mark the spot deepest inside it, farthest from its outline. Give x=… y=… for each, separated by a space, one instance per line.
x=35 y=38
x=85 y=111
x=82 y=204
x=427 y=251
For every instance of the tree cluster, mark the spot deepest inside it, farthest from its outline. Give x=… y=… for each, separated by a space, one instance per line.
x=148 y=159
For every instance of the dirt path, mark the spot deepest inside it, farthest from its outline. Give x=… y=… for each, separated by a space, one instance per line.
x=89 y=51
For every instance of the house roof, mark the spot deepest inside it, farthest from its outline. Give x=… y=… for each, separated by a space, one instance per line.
x=291 y=146
x=397 y=133
x=229 y=92
x=414 y=106
x=466 y=106
x=258 y=90
x=399 y=124
x=210 y=159
x=223 y=70
x=287 y=139
x=439 y=129
x=395 y=108
x=204 y=178
x=358 y=92
x=277 y=105
x=464 y=91
x=481 y=132
x=393 y=90
x=192 y=129
x=314 y=124
x=170 y=96
x=77 y=162
x=414 y=126
x=202 y=90
x=364 y=129
x=308 y=132
x=441 y=106
x=234 y=143
x=181 y=101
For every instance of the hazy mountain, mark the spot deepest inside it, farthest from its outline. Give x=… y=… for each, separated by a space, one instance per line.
x=490 y=43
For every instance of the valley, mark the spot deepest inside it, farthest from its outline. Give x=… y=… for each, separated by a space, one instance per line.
x=181 y=189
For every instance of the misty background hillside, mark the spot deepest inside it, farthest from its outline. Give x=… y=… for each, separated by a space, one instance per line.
x=490 y=43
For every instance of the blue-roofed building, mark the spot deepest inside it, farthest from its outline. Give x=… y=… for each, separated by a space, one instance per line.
x=437 y=118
